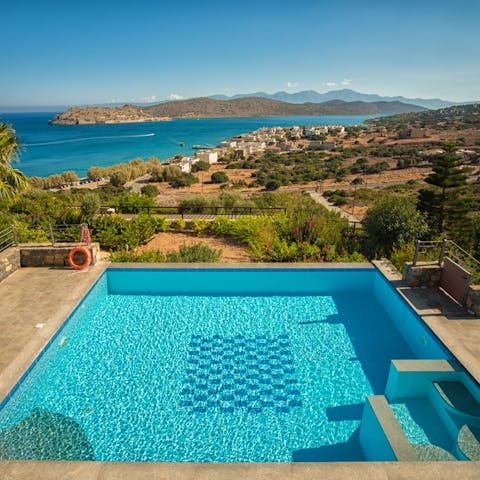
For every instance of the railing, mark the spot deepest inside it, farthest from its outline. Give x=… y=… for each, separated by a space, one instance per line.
x=200 y=209
x=54 y=234
x=8 y=237
x=436 y=251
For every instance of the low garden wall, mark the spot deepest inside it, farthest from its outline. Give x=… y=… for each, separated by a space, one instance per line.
x=9 y=262
x=46 y=255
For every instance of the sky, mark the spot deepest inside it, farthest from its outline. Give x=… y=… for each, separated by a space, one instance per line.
x=67 y=52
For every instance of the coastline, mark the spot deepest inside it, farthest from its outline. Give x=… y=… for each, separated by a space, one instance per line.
x=109 y=144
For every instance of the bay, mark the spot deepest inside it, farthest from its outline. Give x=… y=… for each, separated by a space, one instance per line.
x=49 y=149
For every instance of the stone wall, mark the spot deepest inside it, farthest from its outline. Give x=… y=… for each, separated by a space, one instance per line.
x=422 y=274
x=472 y=302
x=9 y=262
x=46 y=255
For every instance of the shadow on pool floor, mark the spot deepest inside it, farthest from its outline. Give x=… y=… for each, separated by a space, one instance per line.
x=349 y=451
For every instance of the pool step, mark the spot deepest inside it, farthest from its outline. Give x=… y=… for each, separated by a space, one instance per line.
x=457 y=396
x=433 y=453
x=469 y=442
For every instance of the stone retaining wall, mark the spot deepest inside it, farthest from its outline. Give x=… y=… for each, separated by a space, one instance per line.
x=9 y=262
x=472 y=302
x=46 y=255
x=422 y=274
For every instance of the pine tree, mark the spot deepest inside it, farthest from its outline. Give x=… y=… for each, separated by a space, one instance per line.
x=448 y=174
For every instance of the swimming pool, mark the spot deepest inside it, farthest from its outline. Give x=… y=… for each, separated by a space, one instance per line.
x=221 y=365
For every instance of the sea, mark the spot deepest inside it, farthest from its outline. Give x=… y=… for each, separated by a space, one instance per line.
x=49 y=149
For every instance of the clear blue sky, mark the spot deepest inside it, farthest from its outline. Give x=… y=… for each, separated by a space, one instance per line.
x=81 y=52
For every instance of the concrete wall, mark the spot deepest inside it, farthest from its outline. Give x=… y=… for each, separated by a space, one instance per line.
x=422 y=275
x=46 y=255
x=9 y=262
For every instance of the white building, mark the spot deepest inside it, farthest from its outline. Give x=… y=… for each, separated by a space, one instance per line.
x=209 y=157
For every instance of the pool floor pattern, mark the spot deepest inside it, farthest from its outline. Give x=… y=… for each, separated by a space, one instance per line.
x=228 y=372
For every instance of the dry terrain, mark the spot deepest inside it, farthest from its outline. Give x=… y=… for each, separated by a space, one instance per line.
x=168 y=241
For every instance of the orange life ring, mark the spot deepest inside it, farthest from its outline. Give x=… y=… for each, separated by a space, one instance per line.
x=86 y=253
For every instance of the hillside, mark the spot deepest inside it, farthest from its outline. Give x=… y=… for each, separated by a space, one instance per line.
x=458 y=117
x=94 y=115
x=262 y=107
x=345 y=94
x=210 y=108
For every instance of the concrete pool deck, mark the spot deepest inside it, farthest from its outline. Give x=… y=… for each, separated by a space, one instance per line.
x=36 y=301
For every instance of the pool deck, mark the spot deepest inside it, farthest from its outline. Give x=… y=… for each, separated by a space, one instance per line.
x=36 y=301
x=457 y=329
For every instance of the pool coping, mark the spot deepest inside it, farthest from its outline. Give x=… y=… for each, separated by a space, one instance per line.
x=243 y=266
x=19 y=469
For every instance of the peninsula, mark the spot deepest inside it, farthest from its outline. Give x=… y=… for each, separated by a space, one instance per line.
x=94 y=115
x=211 y=108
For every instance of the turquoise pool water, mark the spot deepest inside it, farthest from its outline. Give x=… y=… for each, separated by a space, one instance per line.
x=214 y=365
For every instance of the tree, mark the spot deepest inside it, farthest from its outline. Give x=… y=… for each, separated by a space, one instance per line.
x=12 y=180
x=393 y=222
x=200 y=166
x=89 y=205
x=69 y=177
x=150 y=190
x=183 y=180
x=119 y=178
x=448 y=174
x=219 y=177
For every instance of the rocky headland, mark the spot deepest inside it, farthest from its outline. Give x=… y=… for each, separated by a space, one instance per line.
x=105 y=115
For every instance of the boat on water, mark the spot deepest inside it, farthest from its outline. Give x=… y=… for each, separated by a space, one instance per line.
x=181 y=144
x=202 y=147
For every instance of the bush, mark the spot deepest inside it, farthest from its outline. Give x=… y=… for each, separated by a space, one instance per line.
x=120 y=178
x=179 y=224
x=189 y=254
x=194 y=253
x=222 y=226
x=199 y=226
x=200 y=166
x=272 y=185
x=161 y=224
x=150 y=190
x=183 y=180
x=219 y=177
x=90 y=205
x=195 y=204
x=132 y=203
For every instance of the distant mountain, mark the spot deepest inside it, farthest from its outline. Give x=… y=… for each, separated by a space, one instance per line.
x=346 y=94
x=263 y=107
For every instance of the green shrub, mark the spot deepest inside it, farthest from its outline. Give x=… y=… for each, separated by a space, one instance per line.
x=401 y=255
x=194 y=253
x=199 y=226
x=222 y=226
x=219 y=177
x=272 y=185
x=196 y=204
x=161 y=224
x=90 y=205
x=200 y=166
x=188 y=254
x=150 y=190
x=179 y=224
x=183 y=180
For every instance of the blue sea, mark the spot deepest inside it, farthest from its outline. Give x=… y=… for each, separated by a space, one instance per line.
x=50 y=149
